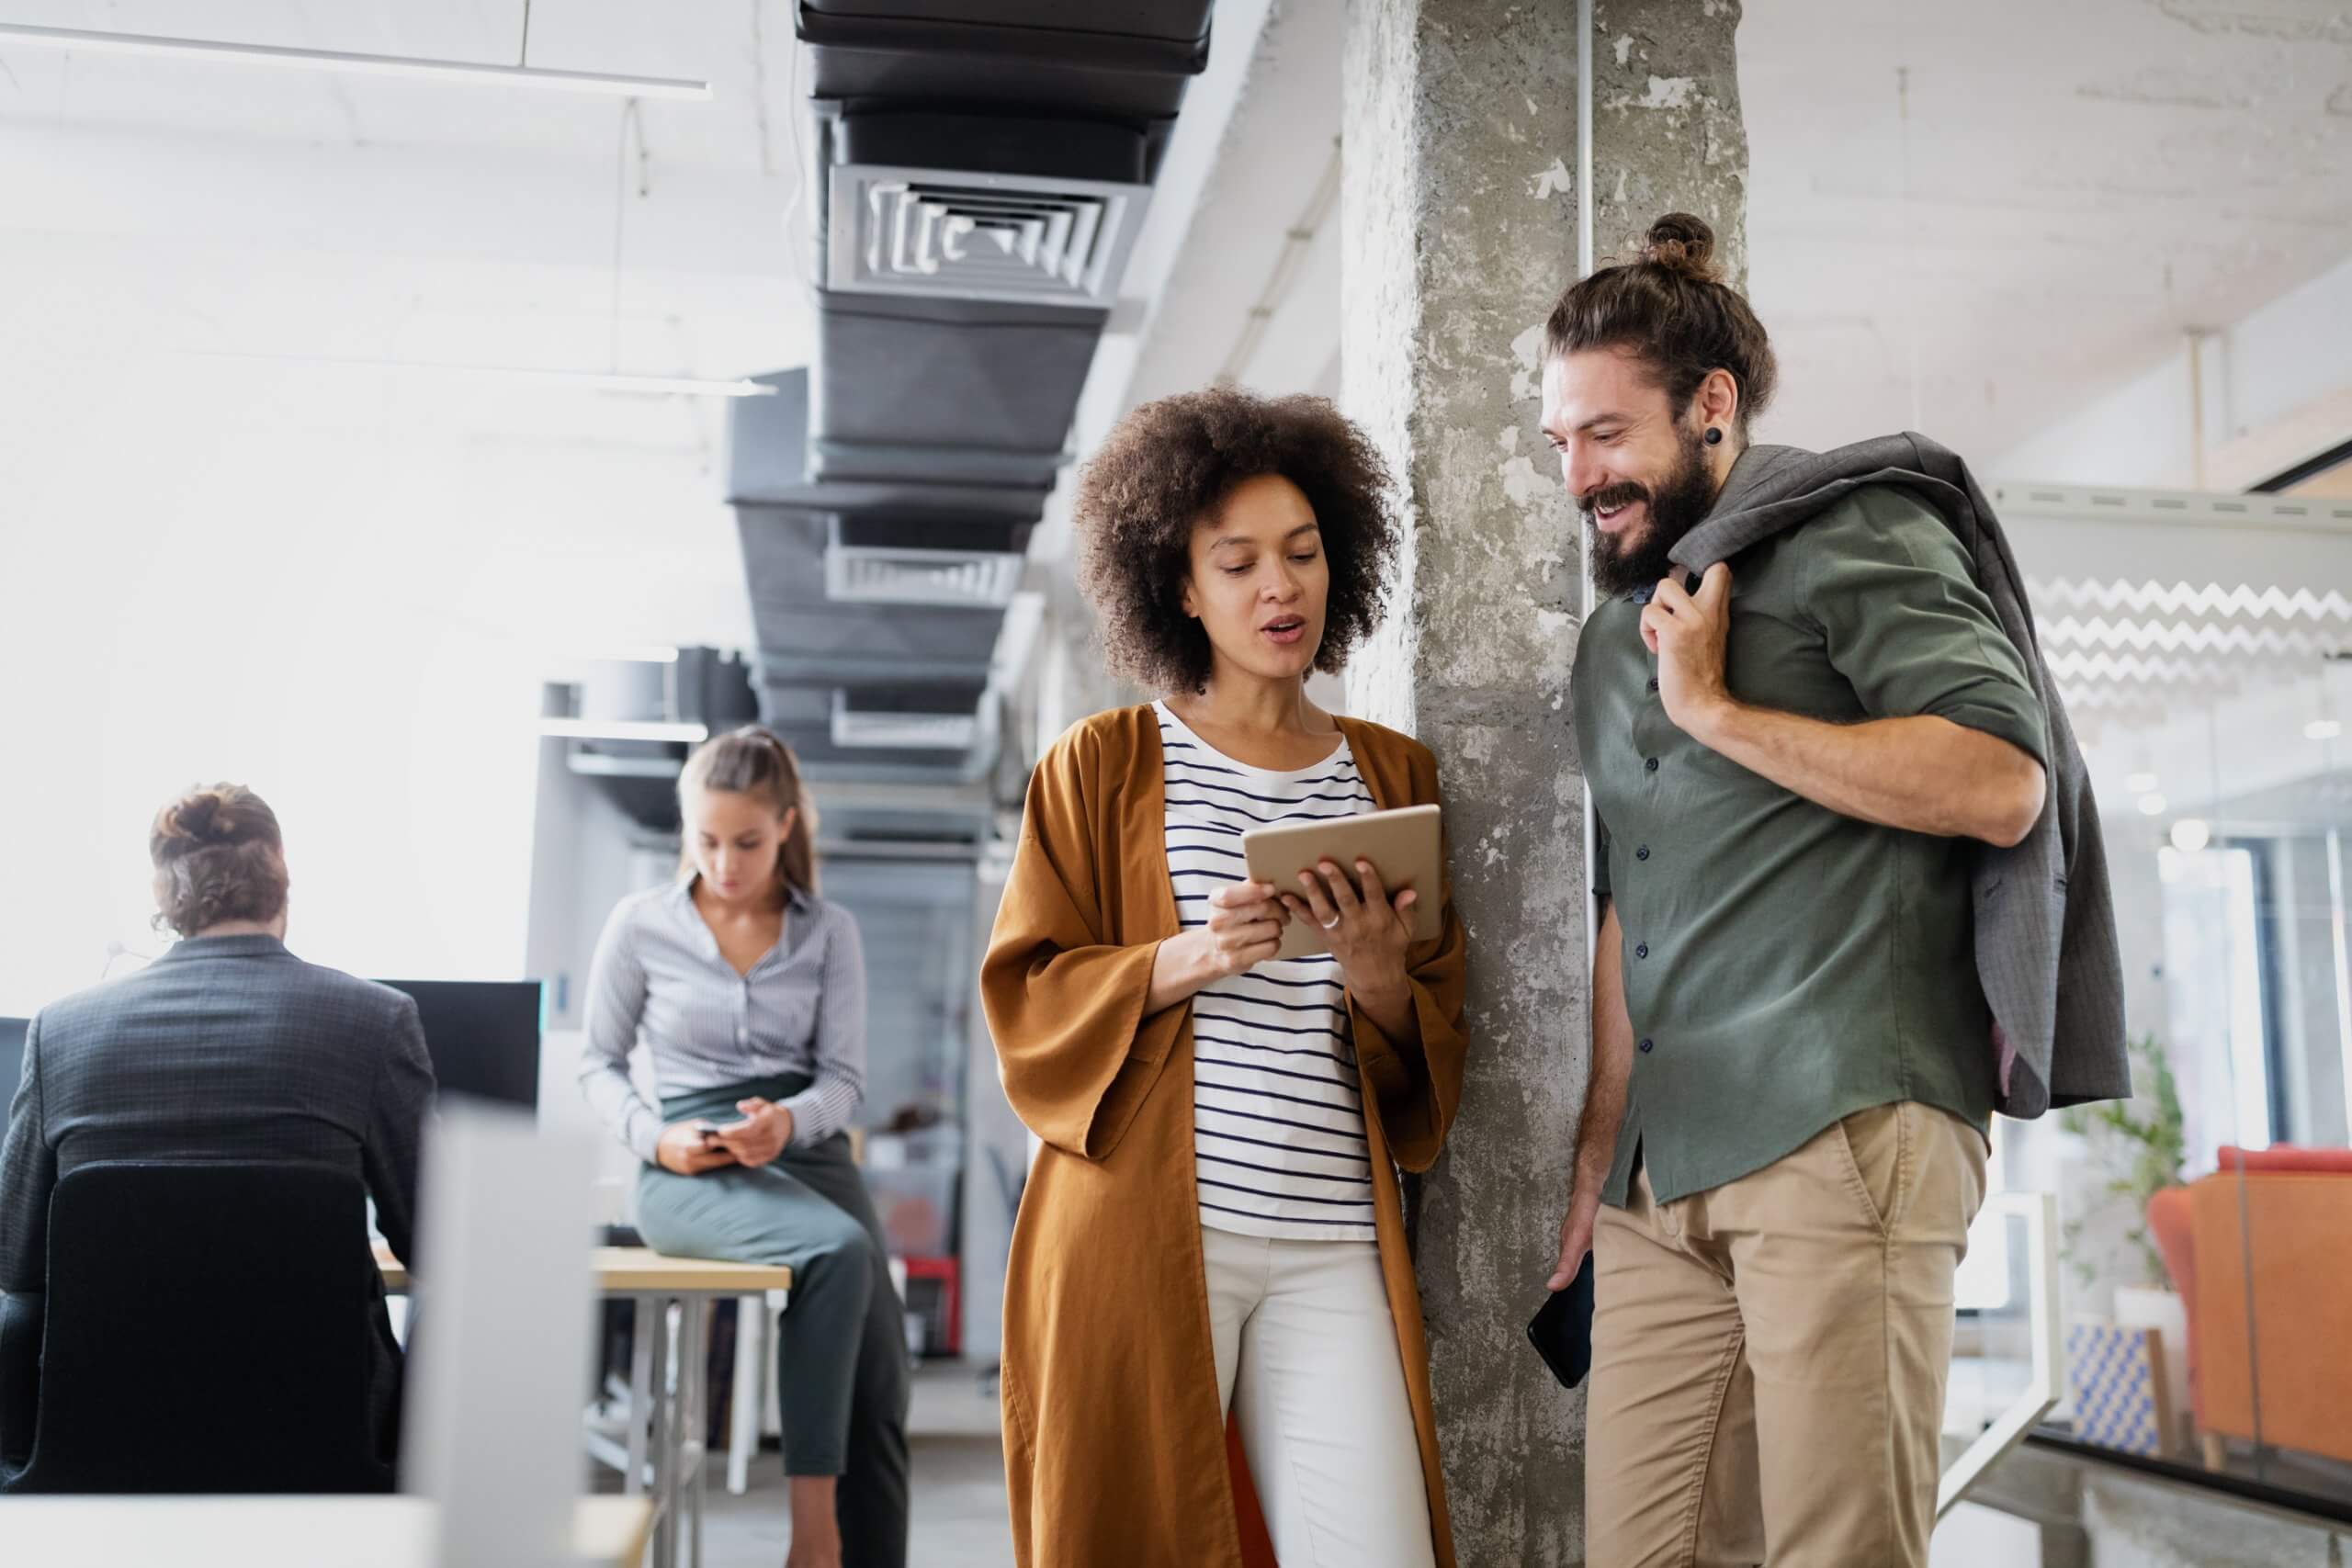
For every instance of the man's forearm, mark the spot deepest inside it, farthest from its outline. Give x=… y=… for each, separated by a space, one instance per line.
x=1604 y=1113
x=1612 y=1061
x=1923 y=774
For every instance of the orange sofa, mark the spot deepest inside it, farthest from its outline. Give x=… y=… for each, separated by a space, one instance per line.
x=2281 y=1218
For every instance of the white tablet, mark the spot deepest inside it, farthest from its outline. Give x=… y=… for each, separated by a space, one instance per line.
x=1404 y=846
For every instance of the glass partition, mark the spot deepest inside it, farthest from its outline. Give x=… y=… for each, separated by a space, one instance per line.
x=2206 y=1236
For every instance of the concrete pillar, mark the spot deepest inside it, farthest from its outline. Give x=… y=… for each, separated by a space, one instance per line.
x=1459 y=228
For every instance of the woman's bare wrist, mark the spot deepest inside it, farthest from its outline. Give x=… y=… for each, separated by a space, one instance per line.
x=1181 y=966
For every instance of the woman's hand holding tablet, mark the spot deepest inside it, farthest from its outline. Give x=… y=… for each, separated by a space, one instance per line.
x=1369 y=879
x=1366 y=932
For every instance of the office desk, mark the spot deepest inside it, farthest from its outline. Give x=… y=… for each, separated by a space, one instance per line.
x=640 y=1270
x=273 y=1532
x=678 y=1398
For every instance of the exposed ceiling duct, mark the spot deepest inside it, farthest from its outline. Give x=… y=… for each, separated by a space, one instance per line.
x=627 y=723
x=985 y=165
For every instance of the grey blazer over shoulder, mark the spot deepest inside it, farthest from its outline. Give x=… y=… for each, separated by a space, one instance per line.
x=2046 y=947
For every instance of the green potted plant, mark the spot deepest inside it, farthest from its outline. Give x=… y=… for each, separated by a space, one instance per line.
x=2142 y=1143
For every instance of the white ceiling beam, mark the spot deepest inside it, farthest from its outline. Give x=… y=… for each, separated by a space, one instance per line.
x=413 y=67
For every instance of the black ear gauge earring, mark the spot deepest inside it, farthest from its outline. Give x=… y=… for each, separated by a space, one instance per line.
x=1715 y=436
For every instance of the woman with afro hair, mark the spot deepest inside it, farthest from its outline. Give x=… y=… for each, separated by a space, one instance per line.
x=1212 y=1229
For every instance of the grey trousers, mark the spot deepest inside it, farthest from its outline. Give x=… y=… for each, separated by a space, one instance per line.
x=842 y=1364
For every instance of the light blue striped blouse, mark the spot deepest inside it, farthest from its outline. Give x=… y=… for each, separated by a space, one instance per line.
x=659 y=975
x=1278 y=1137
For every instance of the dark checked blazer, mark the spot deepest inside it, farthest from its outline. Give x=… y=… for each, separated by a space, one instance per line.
x=227 y=1048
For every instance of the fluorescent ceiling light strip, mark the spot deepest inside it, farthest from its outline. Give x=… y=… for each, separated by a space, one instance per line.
x=602 y=381
x=355 y=65
x=612 y=381
x=623 y=729
x=648 y=654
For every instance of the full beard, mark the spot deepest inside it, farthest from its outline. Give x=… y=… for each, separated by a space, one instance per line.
x=1677 y=505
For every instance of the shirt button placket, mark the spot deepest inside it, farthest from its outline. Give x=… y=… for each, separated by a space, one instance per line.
x=1642 y=852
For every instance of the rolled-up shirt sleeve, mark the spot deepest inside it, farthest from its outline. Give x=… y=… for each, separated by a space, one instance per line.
x=838 y=1053
x=615 y=1003
x=1904 y=620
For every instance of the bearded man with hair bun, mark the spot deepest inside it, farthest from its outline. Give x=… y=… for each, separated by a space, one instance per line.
x=1853 y=903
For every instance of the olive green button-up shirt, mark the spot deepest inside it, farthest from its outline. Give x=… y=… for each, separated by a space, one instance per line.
x=1785 y=966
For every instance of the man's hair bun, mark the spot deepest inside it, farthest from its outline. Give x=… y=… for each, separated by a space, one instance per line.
x=1682 y=245
x=218 y=856
x=199 y=817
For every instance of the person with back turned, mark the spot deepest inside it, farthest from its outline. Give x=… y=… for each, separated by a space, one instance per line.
x=1854 y=904
x=227 y=1047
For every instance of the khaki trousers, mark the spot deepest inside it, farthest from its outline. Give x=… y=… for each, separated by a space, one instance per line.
x=1770 y=1356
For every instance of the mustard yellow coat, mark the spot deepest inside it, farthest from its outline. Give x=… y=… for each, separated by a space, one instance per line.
x=1114 y=1450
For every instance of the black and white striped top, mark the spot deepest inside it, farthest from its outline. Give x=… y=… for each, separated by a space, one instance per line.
x=1278 y=1138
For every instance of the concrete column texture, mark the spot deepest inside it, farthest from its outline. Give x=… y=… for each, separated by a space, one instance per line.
x=1459 y=229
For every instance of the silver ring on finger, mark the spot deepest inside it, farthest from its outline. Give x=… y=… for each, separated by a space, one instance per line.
x=1332 y=924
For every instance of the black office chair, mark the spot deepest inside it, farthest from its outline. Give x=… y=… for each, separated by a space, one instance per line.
x=205 y=1329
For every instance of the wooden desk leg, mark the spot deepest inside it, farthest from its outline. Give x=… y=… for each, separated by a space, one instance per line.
x=641 y=1391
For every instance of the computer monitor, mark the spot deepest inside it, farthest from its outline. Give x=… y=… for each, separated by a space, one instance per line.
x=483 y=1036
x=12 y=1057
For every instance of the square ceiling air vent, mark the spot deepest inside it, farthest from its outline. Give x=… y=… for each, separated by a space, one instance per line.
x=1020 y=239
x=863 y=574
x=879 y=561
x=897 y=722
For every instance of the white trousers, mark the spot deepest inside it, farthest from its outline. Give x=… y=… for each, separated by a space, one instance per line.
x=1307 y=1363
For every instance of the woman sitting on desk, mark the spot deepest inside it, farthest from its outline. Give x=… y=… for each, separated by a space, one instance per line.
x=1214 y=1223
x=750 y=991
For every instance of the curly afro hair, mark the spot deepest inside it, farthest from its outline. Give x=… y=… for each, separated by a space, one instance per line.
x=1167 y=466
